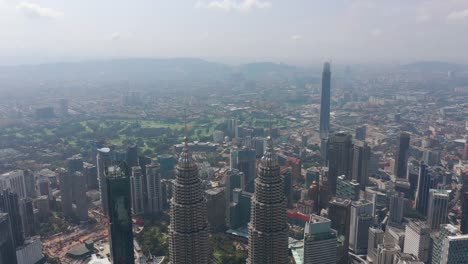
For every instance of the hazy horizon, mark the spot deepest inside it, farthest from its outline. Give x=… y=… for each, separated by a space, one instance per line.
x=234 y=31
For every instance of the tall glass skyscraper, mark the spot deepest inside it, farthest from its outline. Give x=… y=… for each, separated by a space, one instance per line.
x=325 y=100
x=9 y=203
x=188 y=231
x=401 y=155
x=424 y=184
x=339 y=158
x=268 y=229
x=120 y=216
x=325 y=109
x=245 y=160
x=7 y=247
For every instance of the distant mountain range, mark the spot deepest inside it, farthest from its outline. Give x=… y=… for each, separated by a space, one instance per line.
x=140 y=69
x=148 y=71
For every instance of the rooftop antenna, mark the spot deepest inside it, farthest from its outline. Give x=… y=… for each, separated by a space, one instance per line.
x=185 y=121
x=185 y=127
x=269 y=132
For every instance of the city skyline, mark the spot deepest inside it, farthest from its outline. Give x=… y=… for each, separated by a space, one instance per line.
x=233 y=131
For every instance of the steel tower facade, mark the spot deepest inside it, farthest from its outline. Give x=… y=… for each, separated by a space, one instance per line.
x=188 y=230
x=268 y=229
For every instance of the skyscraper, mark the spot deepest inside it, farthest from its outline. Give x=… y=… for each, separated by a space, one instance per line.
x=437 y=212
x=422 y=192
x=188 y=230
x=136 y=190
x=231 y=127
x=103 y=160
x=325 y=109
x=347 y=189
x=167 y=164
x=131 y=157
x=153 y=187
x=233 y=181
x=401 y=155
x=66 y=191
x=90 y=172
x=464 y=219
x=7 y=247
x=418 y=240
x=449 y=246
x=361 y=156
x=245 y=160
x=9 y=203
x=14 y=180
x=268 y=229
x=360 y=133
x=397 y=205
x=120 y=217
x=216 y=205
x=319 y=241
x=360 y=221
x=339 y=158
x=79 y=196
x=339 y=212
x=29 y=183
x=27 y=217
x=75 y=163
x=454 y=250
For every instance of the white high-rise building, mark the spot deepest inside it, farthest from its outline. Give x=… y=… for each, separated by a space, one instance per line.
x=418 y=240
x=14 y=180
x=103 y=161
x=153 y=187
x=320 y=244
x=136 y=188
x=437 y=212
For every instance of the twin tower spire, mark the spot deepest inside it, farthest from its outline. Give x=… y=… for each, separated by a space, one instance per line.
x=268 y=230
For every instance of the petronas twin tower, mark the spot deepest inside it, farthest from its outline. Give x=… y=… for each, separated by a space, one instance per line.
x=188 y=231
x=268 y=230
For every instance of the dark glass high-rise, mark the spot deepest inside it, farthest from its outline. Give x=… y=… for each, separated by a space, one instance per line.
x=120 y=217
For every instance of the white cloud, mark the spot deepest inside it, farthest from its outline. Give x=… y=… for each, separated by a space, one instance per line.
x=421 y=18
x=296 y=37
x=116 y=36
x=458 y=15
x=376 y=32
x=234 y=5
x=35 y=11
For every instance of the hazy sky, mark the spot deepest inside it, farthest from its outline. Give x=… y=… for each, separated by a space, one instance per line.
x=292 y=31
